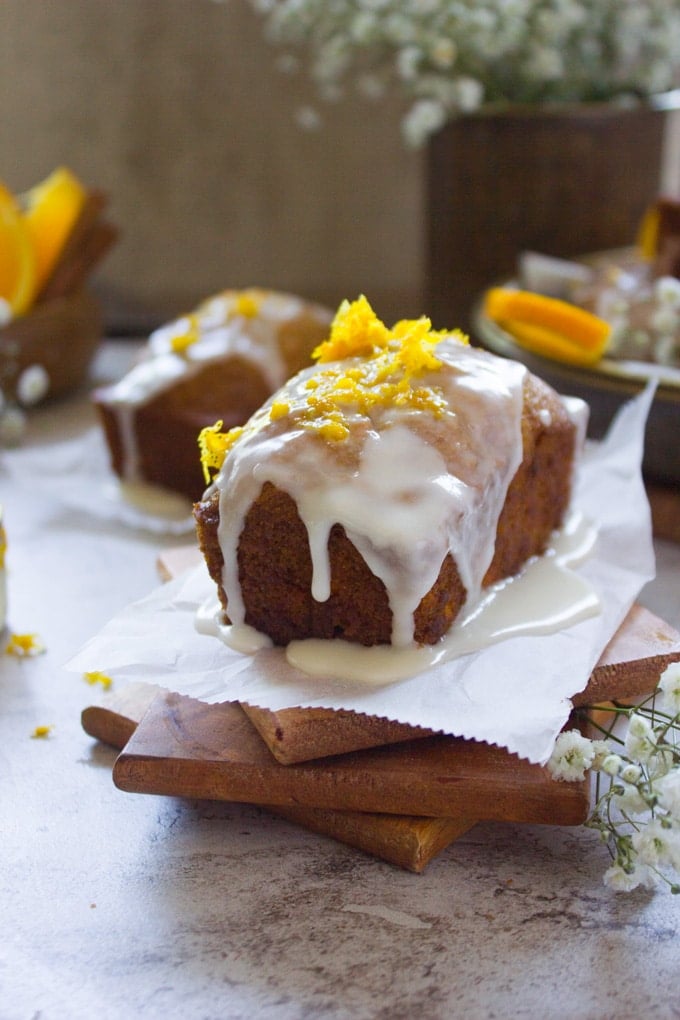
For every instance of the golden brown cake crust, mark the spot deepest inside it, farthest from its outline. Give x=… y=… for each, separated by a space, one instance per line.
x=274 y=561
x=167 y=426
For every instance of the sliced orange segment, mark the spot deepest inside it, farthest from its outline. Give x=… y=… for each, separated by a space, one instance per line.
x=51 y=209
x=548 y=326
x=648 y=232
x=17 y=259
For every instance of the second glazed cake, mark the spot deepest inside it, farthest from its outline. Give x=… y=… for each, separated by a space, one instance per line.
x=224 y=359
x=377 y=493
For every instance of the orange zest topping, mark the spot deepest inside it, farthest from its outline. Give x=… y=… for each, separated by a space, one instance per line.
x=214 y=445
x=392 y=363
x=364 y=365
x=548 y=326
x=247 y=304
x=23 y=646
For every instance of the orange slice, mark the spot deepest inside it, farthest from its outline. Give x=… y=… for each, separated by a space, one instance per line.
x=548 y=326
x=648 y=232
x=51 y=209
x=17 y=259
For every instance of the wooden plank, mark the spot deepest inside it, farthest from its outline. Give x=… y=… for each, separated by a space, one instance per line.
x=408 y=842
x=186 y=748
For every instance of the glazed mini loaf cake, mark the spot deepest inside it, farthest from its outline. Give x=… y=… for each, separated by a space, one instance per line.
x=381 y=490
x=223 y=360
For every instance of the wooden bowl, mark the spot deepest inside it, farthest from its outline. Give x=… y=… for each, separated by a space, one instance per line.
x=60 y=334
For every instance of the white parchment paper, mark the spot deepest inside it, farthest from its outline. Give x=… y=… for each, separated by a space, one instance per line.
x=515 y=694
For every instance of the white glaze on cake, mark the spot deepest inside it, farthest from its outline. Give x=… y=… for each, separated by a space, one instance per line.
x=408 y=487
x=235 y=323
x=546 y=596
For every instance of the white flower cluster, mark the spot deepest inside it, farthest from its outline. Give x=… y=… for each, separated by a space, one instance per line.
x=19 y=388
x=451 y=57
x=638 y=815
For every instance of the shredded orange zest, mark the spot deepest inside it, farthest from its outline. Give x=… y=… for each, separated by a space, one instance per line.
x=3 y=546
x=24 y=646
x=548 y=326
x=367 y=365
x=181 y=341
x=214 y=446
x=392 y=361
x=247 y=305
x=279 y=409
x=41 y=732
x=95 y=676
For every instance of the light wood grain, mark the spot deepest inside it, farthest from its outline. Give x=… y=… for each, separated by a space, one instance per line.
x=186 y=748
x=408 y=842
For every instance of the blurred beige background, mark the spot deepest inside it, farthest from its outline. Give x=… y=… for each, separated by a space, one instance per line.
x=176 y=109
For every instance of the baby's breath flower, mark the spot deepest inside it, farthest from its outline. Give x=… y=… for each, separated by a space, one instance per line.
x=640 y=741
x=626 y=798
x=12 y=425
x=653 y=844
x=515 y=51
x=32 y=384
x=308 y=118
x=612 y=764
x=601 y=751
x=668 y=698
x=443 y=52
x=423 y=119
x=572 y=755
x=630 y=773
x=667 y=790
x=667 y=291
x=624 y=880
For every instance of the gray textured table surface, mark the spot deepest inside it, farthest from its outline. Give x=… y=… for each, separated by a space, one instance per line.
x=116 y=905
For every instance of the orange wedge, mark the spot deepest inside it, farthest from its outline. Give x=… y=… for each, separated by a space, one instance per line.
x=648 y=232
x=548 y=326
x=17 y=259
x=51 y=209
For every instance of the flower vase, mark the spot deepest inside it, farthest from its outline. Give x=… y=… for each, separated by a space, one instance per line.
x=563 y=181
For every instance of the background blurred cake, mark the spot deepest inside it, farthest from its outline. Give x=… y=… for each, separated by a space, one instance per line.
x=221 y=361
x=636 y=290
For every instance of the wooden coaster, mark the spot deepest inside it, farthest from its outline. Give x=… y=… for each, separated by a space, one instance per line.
x=405 y=841
x=187 y=748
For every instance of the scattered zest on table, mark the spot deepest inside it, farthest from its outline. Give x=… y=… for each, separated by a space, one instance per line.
x=42 y=732
x=548 y=326
x=636 y=762
x=24 y=646
x=95 y=676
